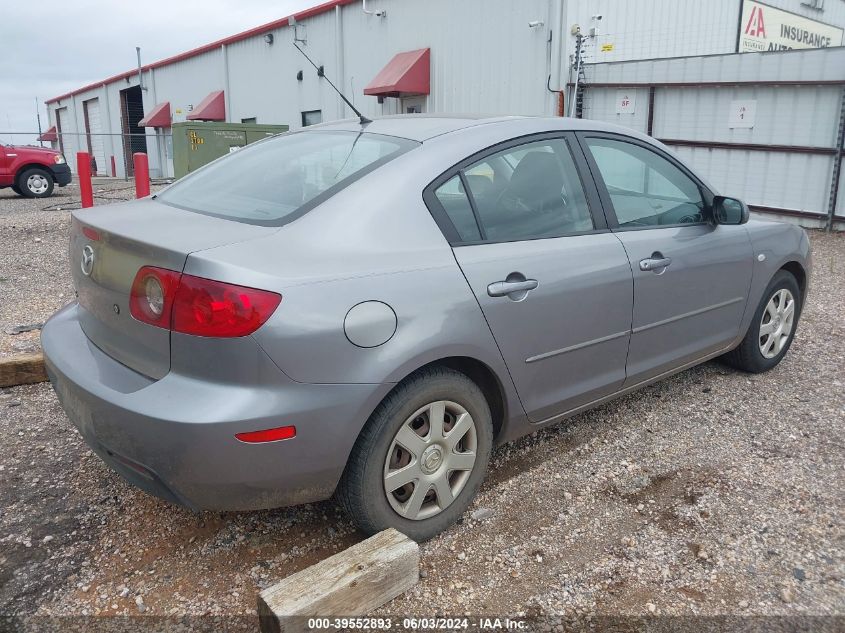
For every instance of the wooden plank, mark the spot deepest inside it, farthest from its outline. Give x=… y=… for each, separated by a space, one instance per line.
x=349 y=584
x=23 y=369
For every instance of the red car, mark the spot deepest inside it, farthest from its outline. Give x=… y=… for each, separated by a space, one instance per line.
x=32 y=171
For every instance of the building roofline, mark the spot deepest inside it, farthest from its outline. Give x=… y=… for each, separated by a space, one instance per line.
x=207 y=48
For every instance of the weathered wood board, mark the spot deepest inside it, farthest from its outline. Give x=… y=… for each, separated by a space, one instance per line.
x=350 y=583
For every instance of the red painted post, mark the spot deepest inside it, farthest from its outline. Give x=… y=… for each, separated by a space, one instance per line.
x=83 y=172
x=142 y=174
x=113 y=168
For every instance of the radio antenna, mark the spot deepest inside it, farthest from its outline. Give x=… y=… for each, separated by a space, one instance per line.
x=362 y=119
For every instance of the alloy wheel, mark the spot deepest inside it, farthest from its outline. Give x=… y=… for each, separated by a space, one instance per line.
x=777 y=322
x=430 y=460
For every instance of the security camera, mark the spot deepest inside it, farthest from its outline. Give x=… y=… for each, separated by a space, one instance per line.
x=598 y=16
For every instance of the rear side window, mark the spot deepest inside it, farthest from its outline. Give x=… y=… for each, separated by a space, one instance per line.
x=525 y=192
x=455 y=202
x=277 y=180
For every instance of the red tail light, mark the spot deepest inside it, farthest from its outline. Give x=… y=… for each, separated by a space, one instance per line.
x=211 y=308
x=198 y=306
x=152 y=294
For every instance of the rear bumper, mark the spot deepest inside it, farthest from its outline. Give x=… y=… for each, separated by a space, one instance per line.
x=175 y=437
x=61 y=174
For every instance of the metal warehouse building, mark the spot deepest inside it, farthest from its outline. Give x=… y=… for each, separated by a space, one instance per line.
x=751 y=93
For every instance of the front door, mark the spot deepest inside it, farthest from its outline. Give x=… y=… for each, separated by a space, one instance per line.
x=691 y=278
x=554 y=285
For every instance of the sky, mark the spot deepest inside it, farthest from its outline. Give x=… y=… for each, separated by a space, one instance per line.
x=67 y=44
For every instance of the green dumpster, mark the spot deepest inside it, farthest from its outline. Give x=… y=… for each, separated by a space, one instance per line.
x=196 y=143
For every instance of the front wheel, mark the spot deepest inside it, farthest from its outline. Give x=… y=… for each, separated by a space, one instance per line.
x=35 y=183
x=421 y=457
x=773 y=328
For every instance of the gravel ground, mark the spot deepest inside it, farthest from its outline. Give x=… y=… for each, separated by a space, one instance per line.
x=710 y=493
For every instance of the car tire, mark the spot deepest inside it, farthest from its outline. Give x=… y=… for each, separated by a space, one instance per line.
x=16 y=190
x=363 y=489
x=751 y=355
x=36 y=182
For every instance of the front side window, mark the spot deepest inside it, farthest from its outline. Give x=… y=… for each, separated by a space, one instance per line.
x=270 y=181
x=526 y=192
x=646 y=189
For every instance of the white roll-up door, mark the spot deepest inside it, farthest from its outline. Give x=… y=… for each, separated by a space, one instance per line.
x=95 y=129
x=69 y=142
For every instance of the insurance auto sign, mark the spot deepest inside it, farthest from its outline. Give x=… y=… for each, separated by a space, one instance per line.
x=764 y=28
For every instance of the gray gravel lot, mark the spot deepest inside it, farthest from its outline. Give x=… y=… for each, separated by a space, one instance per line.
x=713 y=492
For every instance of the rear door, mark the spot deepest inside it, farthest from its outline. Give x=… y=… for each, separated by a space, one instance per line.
x=691 y=277
x=553 y=283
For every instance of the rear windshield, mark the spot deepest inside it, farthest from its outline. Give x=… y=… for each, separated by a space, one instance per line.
x=275 y=181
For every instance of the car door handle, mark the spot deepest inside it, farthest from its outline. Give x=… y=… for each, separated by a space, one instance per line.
x=655 y=263
x=507 y=288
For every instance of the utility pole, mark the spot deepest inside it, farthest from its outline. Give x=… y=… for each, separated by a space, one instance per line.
x=576 y=104
x=38 y=117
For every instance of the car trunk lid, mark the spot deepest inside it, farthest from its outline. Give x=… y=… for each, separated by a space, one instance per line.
x=108 y=245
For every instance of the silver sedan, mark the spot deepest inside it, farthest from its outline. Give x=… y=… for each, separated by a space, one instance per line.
x=366 y=310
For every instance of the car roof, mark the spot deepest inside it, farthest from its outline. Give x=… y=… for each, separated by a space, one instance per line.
x=422 y=127
x=416 y=127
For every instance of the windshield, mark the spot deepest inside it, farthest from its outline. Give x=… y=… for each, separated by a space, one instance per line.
x=275 y=181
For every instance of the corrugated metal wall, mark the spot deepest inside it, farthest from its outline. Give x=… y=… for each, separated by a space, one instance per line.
x=784 y=161
x=483 y=59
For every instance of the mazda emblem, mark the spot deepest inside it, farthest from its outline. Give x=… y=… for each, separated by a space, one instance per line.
x=87 y=263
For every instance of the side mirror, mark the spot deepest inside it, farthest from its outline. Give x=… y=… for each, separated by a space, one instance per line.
x=730 y=211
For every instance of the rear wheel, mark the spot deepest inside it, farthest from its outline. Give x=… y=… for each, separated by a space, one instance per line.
x=421 y=457
x=772 y=329
x=16 y=190
x=35 y=182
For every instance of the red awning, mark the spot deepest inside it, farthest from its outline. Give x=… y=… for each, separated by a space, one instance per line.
x=212 y=108
x=406 y=74
x=159 y=116
x=50 y=135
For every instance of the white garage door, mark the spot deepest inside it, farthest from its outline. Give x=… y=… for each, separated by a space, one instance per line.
x=95 y=130
x=69 y=141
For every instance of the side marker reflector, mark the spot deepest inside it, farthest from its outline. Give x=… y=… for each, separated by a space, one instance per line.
x=267 y=435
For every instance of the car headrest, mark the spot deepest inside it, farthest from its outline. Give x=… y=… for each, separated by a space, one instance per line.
x=537 y=177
